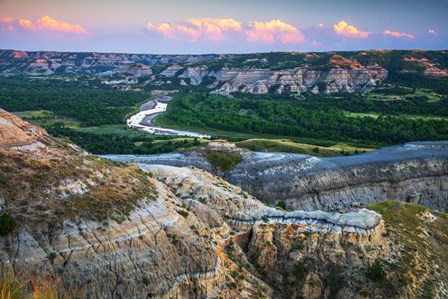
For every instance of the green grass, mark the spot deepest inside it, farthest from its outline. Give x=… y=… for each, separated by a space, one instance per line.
x=181 y=139
x=114 y=129
x=396 y=213
x=288 y=146
x=44 y=118
x=161 y=120
x=419 y=92
x=358 y=114
x=404 y=219
x=34 y=113
x=376 y=115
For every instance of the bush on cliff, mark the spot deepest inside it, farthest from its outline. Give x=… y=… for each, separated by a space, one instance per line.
x=7 y=224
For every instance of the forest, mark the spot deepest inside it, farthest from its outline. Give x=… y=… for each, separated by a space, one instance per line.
x=91 y=103
x=102 y=144
x=320 y=118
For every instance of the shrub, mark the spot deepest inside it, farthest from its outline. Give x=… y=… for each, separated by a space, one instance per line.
x=223 y=160
x=376 y=271
x=281 y=204
x=336 y=279
x=145 y=280
x=299 y=270
x=183 y=213
x=299 y=246
x=7 y=224
x=51 y=256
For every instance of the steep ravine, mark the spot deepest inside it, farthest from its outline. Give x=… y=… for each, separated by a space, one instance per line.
x=318 y=254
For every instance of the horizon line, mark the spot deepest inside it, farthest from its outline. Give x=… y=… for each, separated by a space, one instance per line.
x=235 y=53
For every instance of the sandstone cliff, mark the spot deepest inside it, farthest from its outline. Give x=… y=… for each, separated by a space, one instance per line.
x=263 y=81
x=318 y=254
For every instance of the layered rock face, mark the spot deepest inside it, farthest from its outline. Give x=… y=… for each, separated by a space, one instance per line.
x=225 y=74
x=314 y=254
x=109 y=231
x=415 y=172
x=263 y=81
x=151 y=254
x=112 y=231
x=49 y=63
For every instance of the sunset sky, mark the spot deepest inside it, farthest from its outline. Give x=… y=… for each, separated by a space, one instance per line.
x=213 y=26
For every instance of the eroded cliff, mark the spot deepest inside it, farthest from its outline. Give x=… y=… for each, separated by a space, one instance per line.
x=260 y=73
x=414 y=172
x=109 y=230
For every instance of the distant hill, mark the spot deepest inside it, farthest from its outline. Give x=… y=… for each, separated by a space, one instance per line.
x=257 y=73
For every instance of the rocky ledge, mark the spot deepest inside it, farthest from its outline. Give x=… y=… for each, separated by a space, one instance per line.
x=16 y=132
x=241 y=209
x=415 y=172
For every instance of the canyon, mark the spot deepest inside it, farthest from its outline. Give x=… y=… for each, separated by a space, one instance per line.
x=107 y=229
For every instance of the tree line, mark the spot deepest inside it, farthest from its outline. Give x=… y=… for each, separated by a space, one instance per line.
x=299 y=119
x=91 y=103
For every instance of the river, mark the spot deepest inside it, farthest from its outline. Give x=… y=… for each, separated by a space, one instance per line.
x=143 y=120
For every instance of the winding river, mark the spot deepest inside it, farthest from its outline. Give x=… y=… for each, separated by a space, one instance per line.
x=148 y=111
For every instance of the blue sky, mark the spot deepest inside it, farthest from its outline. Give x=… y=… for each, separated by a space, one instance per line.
x=212 y=26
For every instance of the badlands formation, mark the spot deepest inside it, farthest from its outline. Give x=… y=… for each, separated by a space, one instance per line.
x=415 y=172
x=273 y=73
x=108 y=230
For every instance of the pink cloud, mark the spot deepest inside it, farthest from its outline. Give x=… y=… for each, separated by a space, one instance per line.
x=6 y=20
x=215 y=30
x=195 y=29
x=433 y=32
x=24 y=23
x=48 y=23
x=274 y=31
x=345 y=29
x=44 y=23
x=398 y=34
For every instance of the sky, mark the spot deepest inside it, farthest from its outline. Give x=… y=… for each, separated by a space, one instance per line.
x=216 y=26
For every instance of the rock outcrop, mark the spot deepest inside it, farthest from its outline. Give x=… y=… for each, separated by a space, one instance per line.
x=108 y=230
x=263 y=81
x=49 y=62
x=415 y=172
x=316 y=254
x=105 y=230
x=16 y=132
